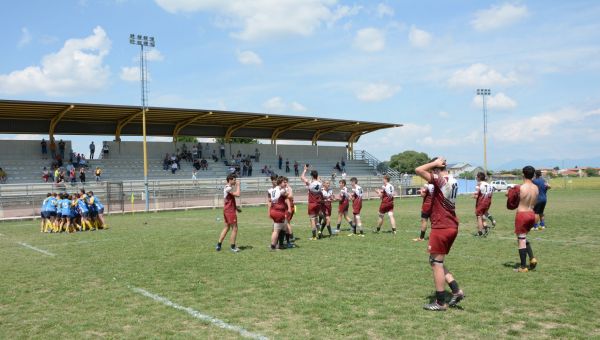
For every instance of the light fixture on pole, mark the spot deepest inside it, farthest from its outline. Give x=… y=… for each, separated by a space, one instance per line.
x=144 y=41
x=483 y=93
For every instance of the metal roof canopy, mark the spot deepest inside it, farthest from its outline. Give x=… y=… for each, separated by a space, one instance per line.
x=51 y=118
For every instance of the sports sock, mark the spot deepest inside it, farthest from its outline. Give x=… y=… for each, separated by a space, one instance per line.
x=490 y=218
x=338 y=226
x=353 y=229
x=287 y=238
x=219 y=244
x=233 y=246
x=535 y=226
x=393 y=230
x=273 y=246
x=542 y=223
x=480 y=232
x=440 y=297
x=378 y=229
x=329 y=230
x=292 y=236
x=523 y=257
x=454 y=286
x=322 y=227
x=422 y=235
x=529 y=250
x=280 y=237
x=314 y=232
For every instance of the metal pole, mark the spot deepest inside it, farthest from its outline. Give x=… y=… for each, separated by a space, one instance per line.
x=484 y=136
x=143 y=72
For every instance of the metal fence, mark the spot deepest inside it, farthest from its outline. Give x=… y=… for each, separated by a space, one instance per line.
x=24 y=200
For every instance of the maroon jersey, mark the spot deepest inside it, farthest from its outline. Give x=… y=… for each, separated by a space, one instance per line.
x=229 y=205
x=426 y=206
x=443 y=214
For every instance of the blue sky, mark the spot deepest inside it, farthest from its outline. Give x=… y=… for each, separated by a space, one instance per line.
x=414 y=63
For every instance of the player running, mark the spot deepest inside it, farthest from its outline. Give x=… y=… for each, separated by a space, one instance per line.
x=314 y=198
x=387 y=204
x=344 y=203
x=356 y=196
x=483 y=200
x=426 y=192
x=525 y=219
x=540 y=205
x=230 y=212
x=444 y=228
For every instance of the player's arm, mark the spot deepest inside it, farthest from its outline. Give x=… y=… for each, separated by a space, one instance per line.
x=238 y=186
x=303 y=176
x=424 y=171
x=476 y=193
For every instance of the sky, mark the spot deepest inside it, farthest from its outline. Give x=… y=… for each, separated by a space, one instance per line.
x=405 y=62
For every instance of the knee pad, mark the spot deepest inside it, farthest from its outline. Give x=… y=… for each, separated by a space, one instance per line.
x=522 y=236
x=433 y=261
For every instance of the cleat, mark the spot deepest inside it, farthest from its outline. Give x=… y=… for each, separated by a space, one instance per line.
x=456 y=298
x=434 y=306
x=521 y=270
x=218 y=248
x=493 y=223
x=535 y=229
x=235 y=250
x=361 y=235
x=418 y=239
x=533 y=263
x=542 y=227
x=375 y=231
x=352 y=234
x=393 y=232
x=313 y=238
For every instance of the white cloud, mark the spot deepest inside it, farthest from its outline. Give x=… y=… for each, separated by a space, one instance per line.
x=275 y=104
x=384 y=10
x=130 y=73
x=77 y=68
x=499 y=16
x=419 y=38
x=498 y=102
x=249 y=58
x=261 y=19
x=481 y=75
x=279 y=105
x=549 y=125
x=25 y=37
x=443 y=114
x=298 y=107
x=154 y=55
x=370 y=39
x=375 y=92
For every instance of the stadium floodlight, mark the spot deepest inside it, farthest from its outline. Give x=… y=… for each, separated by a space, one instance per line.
x=144 y=41
x=483 y=93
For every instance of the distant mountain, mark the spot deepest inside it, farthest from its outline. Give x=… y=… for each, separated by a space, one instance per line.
x=551 y=163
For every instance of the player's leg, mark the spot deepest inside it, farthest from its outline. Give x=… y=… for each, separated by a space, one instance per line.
x=480 y=230
x=275 y=234
x=222 y=236
x=379 y=220
x=522 y=245
x=436 y=261
x=491 y=218
x=392 y=221
x=358 y=225
x=424 y=218
x=233 y=237
x=43 y=222
x=457 y=293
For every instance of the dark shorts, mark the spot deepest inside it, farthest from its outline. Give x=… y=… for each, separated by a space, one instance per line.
x=100 y=211
x=539 y=207
x=524 y=221
x=230 y=217
x=51 y=213
x=93 y=213
x=58 y=215
x=44 y=214
x=384 y=208
x=85 y=214
x=425 y=214
x=441 y=240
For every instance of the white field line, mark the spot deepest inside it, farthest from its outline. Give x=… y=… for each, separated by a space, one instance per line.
x=198 y=315
x=36 y=249
x=77 y=242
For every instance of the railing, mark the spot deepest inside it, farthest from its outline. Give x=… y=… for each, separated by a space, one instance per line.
x=19 y=201
x=379 y=166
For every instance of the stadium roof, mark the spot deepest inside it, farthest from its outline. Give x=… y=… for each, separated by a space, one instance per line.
x=100 y=119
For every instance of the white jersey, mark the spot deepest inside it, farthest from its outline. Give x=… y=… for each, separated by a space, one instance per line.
x=485 y=189
x=275 y=193
x=388 y=190
x=226 y=190
x=327 y=194
x=357 y=192
x=315 y=187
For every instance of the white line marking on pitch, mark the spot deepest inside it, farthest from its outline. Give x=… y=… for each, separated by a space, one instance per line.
x=196 y=314
x=36 y=249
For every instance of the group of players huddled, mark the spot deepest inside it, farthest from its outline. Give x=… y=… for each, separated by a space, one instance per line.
x=63 y=212
x=439 y=197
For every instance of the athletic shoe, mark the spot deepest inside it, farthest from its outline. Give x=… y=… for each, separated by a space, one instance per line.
x=351 y=234
x=393 y=232
x=456 y=298
x=218 y=248
x=533 y=263
x=542 y=227
x=235 y=250
x=319 y=235
x=361 y=235
x=290 y=245
x=418 y=239
x=434 y=306
x=313 y=238
x=521 y=270
x=375 y=231
x=534 y=228
x=493 y=223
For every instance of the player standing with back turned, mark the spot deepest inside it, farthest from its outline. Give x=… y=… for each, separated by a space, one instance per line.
x=230 y=212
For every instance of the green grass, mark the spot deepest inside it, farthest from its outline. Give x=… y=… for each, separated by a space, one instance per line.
x=343 y=287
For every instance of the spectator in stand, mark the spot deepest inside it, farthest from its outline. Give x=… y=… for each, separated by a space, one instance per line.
x=92 y=150
x=3 y=176
x=61 y=148
x=194 y=152
x=203 y=164
x=45 y=175
x=56 y=174
x=174 y=167
x=105 y=149
x=82 y=161
x=343 y=164
x=44 y=148
x=244 y=170
x=59 y=161
x=52 y=148
x=222 y=148
x=166 y=162
x=98 y=173
x=249 y=168
x=287 y=165
x=72 y=176
x=82 y=174
x=296 y=171
x=280 y=162
x=338 y=167
x=194 y=172
x=196 y=164
x=73 y=159
x=214 y=156
x=256 y=155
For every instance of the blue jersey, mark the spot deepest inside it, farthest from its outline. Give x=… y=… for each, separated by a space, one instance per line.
x=73 y=212
x=97 y=203
x=65 y=207
x=83 y=207
x=51 y=205
x=45 y=204
x=541 y=184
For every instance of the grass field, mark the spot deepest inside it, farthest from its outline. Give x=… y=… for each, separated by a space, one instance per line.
x=90 y=284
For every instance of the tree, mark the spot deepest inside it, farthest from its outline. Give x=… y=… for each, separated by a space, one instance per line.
x=238 y=141
x=591 y=172
x=186 y=139
x=407 y=161
x=466 y=175
x=383 y=167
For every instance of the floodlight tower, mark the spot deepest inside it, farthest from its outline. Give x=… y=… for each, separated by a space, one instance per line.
x=483 y=93
x=144 y=41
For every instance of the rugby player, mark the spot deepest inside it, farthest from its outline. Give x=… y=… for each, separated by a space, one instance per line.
x=230 y=212
x=483 y=201
x=386 y=193
x=356 y=197
x=540 y=205
x=344 y=202
x=278 y=208
x=315 y=197
x=328 y=196
x=525 y=219
x=426 y=192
